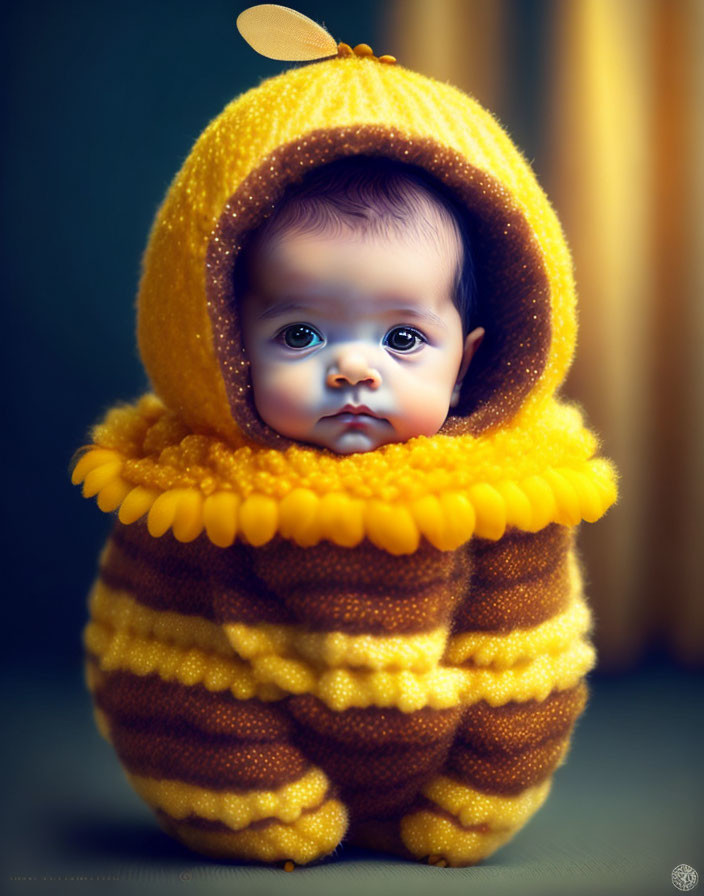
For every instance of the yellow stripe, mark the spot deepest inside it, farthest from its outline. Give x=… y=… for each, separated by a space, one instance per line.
x=271 y=677
x=120 y=610
x=417 y=653
x=504 y=650
x=425 y=833
x=237 y=810
x=471 y=806
x=313 y=835
x=128 y=652
x=450 y=686
x=420 y=652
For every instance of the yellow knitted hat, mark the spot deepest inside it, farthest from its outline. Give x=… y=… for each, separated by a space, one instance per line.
x=508 y=427
x=272 y=135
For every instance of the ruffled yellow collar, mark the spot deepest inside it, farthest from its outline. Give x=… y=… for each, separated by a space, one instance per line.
x=446 y=488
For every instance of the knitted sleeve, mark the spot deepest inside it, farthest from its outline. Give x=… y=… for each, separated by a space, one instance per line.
x=524 y=627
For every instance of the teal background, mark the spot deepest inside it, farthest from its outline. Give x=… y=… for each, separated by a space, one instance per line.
x=102 y=102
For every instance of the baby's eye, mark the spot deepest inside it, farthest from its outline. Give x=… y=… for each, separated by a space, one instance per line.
x=300 y=336
x=403 y=339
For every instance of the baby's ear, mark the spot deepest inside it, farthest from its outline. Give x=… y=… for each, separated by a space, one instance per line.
x=471 y=344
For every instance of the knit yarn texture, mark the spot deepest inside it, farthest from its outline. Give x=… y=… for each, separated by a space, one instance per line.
x=290 y=649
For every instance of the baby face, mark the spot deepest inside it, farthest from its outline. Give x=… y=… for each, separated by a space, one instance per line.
x=354 y=341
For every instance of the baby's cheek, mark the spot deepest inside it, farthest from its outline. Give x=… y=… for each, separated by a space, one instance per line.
x=428 y=419
x=421 y=419
x=282 y=394
x=425 y=400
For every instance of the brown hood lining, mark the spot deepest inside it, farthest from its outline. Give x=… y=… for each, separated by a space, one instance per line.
x=513 y=293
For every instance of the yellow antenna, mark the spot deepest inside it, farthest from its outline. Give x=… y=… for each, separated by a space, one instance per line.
x=281 y=33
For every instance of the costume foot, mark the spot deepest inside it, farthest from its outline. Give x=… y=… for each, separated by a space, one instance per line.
x=310 y=836
x=454 y=825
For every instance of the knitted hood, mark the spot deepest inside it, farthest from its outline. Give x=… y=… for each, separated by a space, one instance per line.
x=275 y=133
x=510 y=452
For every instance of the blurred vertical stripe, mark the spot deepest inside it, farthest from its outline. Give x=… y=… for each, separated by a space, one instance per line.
x=682 y=70
x=460 y=41
x=602 y=185
x=621 y=154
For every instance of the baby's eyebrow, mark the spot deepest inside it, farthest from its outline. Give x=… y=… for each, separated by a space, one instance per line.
x=421 y=314
x=284 y=308
x=424 y=314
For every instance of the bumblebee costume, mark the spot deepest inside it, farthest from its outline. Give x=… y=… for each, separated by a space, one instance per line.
x=291 y=649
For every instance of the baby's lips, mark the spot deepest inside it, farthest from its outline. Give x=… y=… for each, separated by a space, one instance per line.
x=360 y=409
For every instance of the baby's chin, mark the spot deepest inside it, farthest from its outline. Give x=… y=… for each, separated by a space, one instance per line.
x=343 y=440
x=354 y=441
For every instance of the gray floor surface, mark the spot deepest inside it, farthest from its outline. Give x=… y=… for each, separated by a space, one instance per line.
x=625 y=809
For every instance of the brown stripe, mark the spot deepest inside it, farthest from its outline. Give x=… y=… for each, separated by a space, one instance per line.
x=207 y=824
x=380 y=758
x=373 y=726
x=371 y=768
x=131 y=699
x=156 y=572
x=520 y=556
x=365 y=590
x=213 y=762
x=370 y=802
x=196 y=578
x=505 y=773
x=519 y=726
x=518 y=582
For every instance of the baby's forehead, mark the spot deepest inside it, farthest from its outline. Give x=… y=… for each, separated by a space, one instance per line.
x=437 y=232
x=407 y=253
x=400 y=211
x=347 y=305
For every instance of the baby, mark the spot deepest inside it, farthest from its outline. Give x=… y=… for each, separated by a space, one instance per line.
x=357 y=300
x=297 y=641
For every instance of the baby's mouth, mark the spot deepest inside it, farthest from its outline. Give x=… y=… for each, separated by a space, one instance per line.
x=356 y=415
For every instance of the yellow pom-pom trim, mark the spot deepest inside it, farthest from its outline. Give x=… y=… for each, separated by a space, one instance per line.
x=444 y=489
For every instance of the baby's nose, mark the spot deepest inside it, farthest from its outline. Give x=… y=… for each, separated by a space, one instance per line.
x=352 y=368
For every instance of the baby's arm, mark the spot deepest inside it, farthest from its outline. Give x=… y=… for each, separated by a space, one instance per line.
x=521 y=626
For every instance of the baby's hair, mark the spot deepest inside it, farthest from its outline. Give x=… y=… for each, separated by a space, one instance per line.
x=372 y=194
